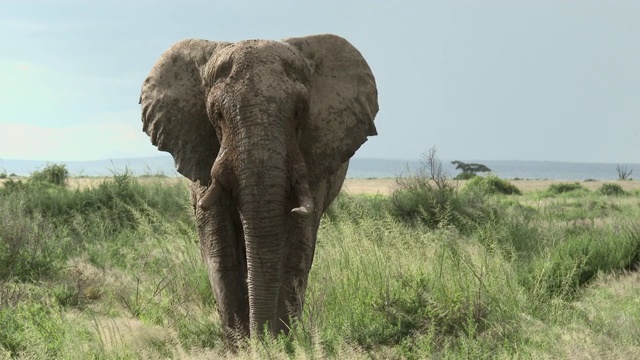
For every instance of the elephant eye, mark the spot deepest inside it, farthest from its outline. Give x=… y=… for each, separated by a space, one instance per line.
x=295 y=69
x=223 y=70
x=301 y=113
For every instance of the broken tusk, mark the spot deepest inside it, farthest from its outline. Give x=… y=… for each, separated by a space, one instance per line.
x=302 y=210
x=211 y=196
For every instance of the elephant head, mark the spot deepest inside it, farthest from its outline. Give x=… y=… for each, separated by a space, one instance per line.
x=257 y=121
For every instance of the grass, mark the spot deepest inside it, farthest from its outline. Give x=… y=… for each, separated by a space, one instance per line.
x=114 y=271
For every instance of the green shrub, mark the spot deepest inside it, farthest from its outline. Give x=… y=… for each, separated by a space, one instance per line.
x=27 y=251
x=465 y=176
x=30 y=323
x=577 y=260
x=611 y=189
x=410 y=308
x=116 y=200
x=11 y=186
x=417 y=200
x=55 y=174
x=492 y=185
x=432 y=199
x=561 y=188
x=354 y=208
x=3 y=175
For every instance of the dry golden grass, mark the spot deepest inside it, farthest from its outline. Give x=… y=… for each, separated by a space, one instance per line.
x=369 y=186
x=541 y=185
x=384 y=186
x=89 y=182
x=94 y=181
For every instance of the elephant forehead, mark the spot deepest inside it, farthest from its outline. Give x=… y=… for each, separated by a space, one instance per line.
x=261 y=63
x=260 y=52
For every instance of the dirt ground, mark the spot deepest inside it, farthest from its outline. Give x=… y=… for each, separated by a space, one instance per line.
x=381 y=186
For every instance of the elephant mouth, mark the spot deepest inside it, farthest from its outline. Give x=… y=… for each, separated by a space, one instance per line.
x=221 y=175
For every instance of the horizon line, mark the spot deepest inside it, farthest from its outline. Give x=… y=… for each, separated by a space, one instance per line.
x=168 y=156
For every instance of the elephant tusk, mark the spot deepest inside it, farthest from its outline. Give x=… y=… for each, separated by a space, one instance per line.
x=302 y=211
x=301 y=186
x=305 y=208
x=211 y=196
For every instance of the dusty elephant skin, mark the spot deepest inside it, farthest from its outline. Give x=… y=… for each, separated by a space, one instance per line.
x=264 y=130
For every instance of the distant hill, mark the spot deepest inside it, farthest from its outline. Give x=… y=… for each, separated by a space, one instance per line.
x=361 y=168
x=138 y=166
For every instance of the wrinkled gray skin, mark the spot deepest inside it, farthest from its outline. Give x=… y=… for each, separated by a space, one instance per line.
x=264 y=130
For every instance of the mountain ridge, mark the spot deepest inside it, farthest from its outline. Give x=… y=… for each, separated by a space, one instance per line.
x=358 y=168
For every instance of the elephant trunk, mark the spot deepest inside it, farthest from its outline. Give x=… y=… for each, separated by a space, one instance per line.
x=270 y=172
x=263 y=199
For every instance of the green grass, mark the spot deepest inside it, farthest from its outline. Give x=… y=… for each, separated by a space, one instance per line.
x=114 y=272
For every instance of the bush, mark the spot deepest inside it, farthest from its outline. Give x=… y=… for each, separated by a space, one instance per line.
x=30 y=323
x=418 y=200
x=117 y=202
x=55 y=174
x=560 y=188
x=465 y=176
x=410 y=308
x=577 y=260
x=11 y=186
x=493 y=185
x=430 y=198
x=611 y=189
x=3 y=175
x=26 y=250
x=357 y=207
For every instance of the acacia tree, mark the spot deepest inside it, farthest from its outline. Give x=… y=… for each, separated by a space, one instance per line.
x=469 y=170
x=623 y=172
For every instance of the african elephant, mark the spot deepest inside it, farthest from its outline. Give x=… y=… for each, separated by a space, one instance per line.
x=264 y=130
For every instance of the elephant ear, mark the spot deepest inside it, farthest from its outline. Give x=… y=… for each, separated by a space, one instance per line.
x=343 y=102
x=174 y=112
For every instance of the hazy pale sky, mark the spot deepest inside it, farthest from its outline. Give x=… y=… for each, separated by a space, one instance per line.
x=487 y=80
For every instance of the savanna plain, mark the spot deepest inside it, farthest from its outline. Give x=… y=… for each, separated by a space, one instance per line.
x=417 y=267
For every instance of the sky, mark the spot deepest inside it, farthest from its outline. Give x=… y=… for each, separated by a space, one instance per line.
x=484 y=80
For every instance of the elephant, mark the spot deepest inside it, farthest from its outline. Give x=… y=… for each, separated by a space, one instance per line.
x=264 y=131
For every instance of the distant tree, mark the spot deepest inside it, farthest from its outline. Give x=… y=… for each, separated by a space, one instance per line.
x=436 y=172
x=623 y=172
x=469 y=170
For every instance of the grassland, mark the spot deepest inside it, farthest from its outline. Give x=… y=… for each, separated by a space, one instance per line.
x=110 y=269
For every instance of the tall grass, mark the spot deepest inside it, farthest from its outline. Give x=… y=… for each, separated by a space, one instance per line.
x=114 y=271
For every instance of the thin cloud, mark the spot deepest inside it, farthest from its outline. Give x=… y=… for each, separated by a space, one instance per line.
x=33 y=27
x=108 y=133
x=23 y=25
x=112 y=80
x=12 y=65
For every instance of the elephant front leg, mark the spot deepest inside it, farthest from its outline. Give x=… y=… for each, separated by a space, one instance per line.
x=295 y=270
x=222 y=248
x=300 y=249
